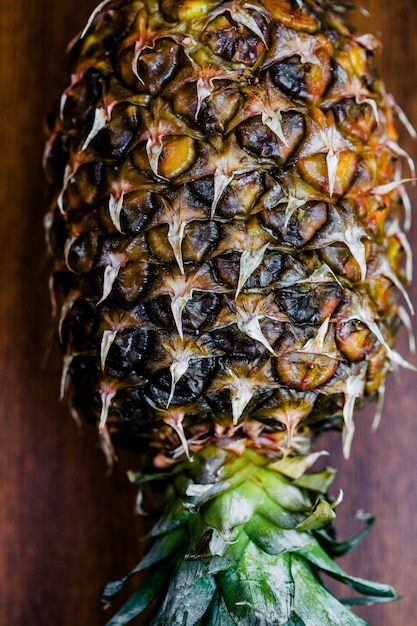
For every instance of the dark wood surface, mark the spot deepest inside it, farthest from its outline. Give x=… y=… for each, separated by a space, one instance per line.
x=65 y=526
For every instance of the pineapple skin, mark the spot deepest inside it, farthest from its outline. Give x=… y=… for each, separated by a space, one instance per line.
x=224 y=224
x=225 y=221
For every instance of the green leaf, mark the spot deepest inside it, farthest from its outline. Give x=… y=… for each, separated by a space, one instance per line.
x=281 y=490
x=190 y=571
x=173 y=516
x=318 y=557
x=244 y=473
x=138 y=478
x=162 y=548
x=295 y=621
x=185 y=605
x=233 y=507
x=260 y=589
x=313 y=603
x=296 y=466
x=142 y=598
x=278 y=515
x=321 y=517
x=317 y=481
x=272 y=539
x=367 y=600
x=218 y=613
x=340 y=548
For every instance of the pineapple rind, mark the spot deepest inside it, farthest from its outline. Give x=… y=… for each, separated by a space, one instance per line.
x=264 y=566
x=226 y=197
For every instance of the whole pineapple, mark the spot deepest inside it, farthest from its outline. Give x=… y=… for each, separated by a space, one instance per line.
x=225 y=223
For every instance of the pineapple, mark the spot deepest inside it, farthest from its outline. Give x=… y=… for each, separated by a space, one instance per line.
x=227 y=225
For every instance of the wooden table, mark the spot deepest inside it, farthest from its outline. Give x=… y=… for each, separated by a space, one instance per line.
x=65 y=527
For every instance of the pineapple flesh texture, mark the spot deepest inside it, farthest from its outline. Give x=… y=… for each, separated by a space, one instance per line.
x=226 y=223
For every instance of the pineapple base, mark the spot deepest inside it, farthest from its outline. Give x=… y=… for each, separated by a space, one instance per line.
x=242 y=540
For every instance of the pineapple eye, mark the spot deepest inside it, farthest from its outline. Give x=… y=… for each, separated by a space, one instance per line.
x=233 y=42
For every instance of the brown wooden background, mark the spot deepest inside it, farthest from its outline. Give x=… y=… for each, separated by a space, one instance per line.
x=65 y=527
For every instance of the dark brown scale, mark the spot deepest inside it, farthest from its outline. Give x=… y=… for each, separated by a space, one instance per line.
x=156 y=239
x=201 y=311
x=115 y=25
x=240 y=196
x=82 y=99
x=80 y=325
x=82 y=256
x=276 y=403
x=127 y=420
x=159 y=312
x=57 y=237
x=115 y=138
x=86 y=185
x=257 y=138
x=85 y=375
x=188 y=389
x=338 y=258
x=56 y=157
x=217 y=110
x=309 y=304
x=138 y=209
x=226 y=268
x=269 y=272
x=302 y=225
x=209 y=120
x=158 y=65
x=129 y=352
x=131 y=283
x=182 y=93
x=289 y=77
x=355 y=120
x=219 y=403
x=200 y=239
x=233 y=42
x=203 y=188
x=326 y=413
x=231 y=340
x=128 y=414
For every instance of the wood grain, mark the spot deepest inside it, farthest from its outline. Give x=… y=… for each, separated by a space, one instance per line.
x=65 y=527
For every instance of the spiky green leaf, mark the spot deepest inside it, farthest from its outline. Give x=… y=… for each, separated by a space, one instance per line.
x=317 y=481
x=296 y=466
x=340 y=548
x=260 y=590
x=196 y=499
x=367 y=600
x=281 y=490
x=295 y=621
x=162 y=548
x=185 y=605
x=173 y=516
x=142 y=598
x=315 y=554
x=272 y=539
x=322 y=515
x=280 y=516
x=218 y=613
x=233 y=508
x=313 y=603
